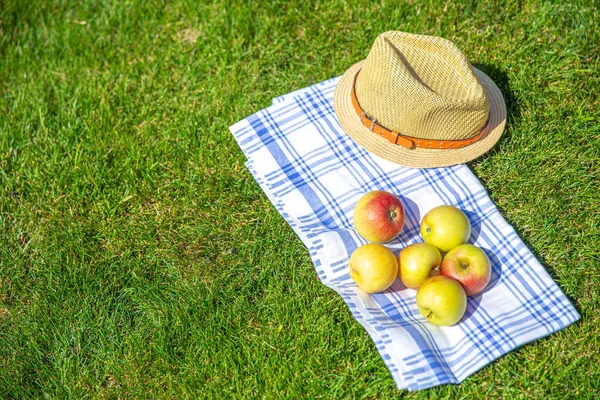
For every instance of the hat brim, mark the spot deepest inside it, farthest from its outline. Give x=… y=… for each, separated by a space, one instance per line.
x=418 y=157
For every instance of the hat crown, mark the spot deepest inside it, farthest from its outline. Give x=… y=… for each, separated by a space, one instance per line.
x=421 y=86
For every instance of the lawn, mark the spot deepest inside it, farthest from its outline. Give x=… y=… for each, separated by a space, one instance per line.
x=140 y=259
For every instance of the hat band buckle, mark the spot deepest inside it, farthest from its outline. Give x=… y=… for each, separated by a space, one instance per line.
x=406 y=141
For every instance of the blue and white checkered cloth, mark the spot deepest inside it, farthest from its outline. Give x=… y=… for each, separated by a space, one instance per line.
x=314 y=174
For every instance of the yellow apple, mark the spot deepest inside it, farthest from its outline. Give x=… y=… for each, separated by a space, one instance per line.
x=379 y=216
x=373 y=267
x=442 y=300
x=469 y=265
x=416 y=263
x=445 y=227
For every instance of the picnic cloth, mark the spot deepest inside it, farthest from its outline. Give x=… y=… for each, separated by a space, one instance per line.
x=314 y=174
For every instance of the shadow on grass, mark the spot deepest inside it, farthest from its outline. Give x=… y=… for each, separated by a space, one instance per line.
x=513 y=118
x=513 y=113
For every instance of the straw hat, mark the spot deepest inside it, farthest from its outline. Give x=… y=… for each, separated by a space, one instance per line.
x=417 y=101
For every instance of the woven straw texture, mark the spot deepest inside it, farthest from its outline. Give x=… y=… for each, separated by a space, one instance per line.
x=424 y=87
x=421 y=86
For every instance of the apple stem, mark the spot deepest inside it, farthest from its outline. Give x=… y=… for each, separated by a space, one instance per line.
x=429 y=315
x=392 y=214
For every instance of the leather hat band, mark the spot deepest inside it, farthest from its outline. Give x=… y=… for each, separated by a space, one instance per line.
x=404 y=140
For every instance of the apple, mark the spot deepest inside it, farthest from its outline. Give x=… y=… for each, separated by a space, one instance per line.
x=373 y=267
x=416 y=263
x=442 y=300
x=470 y=266
x=379 y=216
x=445 y=227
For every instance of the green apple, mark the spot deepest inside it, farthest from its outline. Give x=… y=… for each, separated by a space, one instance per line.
x=470 y=266
x=379 y=216
x=442 y=300
x=416 y=262
x=445 y=227
x=373 y=267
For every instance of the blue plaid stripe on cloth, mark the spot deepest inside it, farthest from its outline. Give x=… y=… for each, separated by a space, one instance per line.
x=314 y=174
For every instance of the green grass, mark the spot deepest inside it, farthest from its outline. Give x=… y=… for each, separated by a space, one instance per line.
x=138 y=257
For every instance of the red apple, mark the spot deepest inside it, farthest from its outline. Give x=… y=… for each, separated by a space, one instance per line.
x=470 y=266
x=379 y=216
